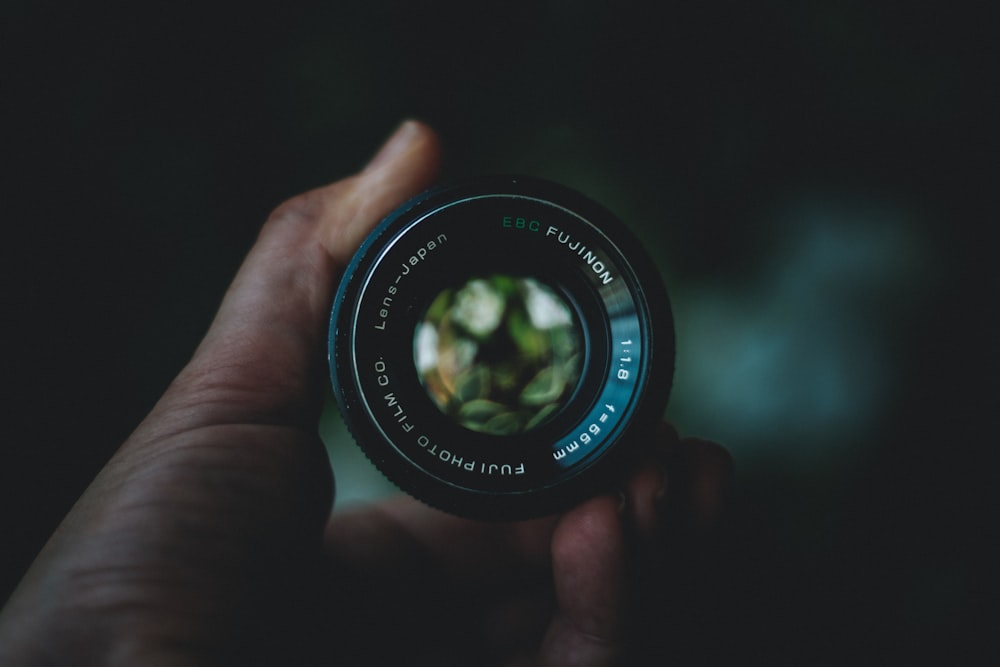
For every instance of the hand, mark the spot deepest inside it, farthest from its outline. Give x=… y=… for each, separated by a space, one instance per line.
x=207 y=539
x=416 y=586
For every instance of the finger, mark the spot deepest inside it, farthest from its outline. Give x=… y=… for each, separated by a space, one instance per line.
x=589 y=570
x=647 y=493
x=683 y=483
x=262 y=359
x=406 y=164
x=700 y=475
x=401 y=534
x=676 y=500
x=444 y=584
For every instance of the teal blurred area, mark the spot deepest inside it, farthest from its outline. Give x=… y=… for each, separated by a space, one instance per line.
x=813 y=179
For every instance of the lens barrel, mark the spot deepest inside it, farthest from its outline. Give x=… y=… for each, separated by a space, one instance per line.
x=501 y=349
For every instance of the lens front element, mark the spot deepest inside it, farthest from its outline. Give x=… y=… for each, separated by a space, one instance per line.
x=499 y=355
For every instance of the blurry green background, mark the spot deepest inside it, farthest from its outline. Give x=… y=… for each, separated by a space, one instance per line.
x=810 y=178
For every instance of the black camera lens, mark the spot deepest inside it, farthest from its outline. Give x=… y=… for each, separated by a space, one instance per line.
x=501 y=349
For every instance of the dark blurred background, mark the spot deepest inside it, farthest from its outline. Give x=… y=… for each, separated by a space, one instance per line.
x=814 y=180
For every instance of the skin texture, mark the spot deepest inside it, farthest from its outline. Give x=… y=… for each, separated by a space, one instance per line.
x=208 y=540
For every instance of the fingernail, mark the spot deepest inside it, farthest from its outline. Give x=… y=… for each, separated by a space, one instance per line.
x=622 y=501
x=661 y=489
x=397 y=144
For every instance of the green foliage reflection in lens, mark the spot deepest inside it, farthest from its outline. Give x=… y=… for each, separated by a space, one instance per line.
x=499 y=354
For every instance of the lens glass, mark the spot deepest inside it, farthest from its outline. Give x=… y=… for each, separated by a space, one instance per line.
x=499 y=354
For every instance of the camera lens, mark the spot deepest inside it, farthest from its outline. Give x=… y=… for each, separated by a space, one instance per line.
x=502 y=348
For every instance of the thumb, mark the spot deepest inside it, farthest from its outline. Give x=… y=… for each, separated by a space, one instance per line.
x=261 y=360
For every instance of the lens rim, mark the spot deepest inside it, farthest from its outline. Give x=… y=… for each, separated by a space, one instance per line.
x=474 y=210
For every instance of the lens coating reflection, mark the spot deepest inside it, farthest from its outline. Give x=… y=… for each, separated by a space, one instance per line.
x=500 y=354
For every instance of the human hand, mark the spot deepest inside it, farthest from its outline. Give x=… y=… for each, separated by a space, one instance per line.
x=592 y=587
x=207 y=539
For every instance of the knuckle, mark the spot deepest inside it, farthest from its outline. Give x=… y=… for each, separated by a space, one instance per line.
x=305 y=206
